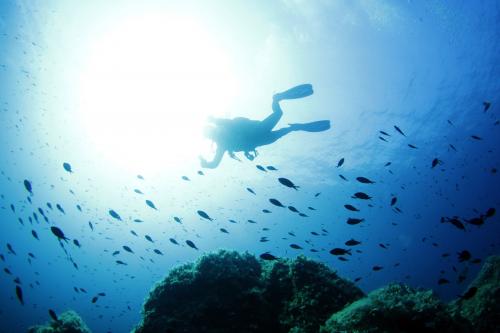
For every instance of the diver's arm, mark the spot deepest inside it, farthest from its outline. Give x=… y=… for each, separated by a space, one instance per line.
x=215 y=162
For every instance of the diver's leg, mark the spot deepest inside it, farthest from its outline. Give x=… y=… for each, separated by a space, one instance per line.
x=273 y=136
x=271 y=121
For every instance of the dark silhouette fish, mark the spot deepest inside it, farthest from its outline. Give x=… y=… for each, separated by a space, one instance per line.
x=293 y=209
x=361 y=195
x=475 y=137
x=133 y=233
x=267 y=211
x=28 y=186
x=288 y=183
x=128 y=249
x=383 y=139
x=412 y=146
x=376 y=268
x=393 y=201
x=352 y=242
x=191 y=244
x=67 y=167
x=114 y=215
x=58 y=233
x=91 y=226
x=53 y=315
x=317 y=194
x=148 y=238
x=140 y=177
x=435 y=162
x=387 y=164
x=173 y=241
x=303 y=215
x=486 y=106
x=76 y=242
x=384 y=133
x=276 y=202
x=354 y=221
x=151 y=204
x=364 y=180
x=186 y=178
x=351 y=208
x=250 y=190
x=115 y=253
x=267 y=256
x=138 y=191
x=33 y=232
x=260 y=167
x=204 y=215
x=94 y=299
x=340 y=162
x=223 y=230
x=177 y=219
x=311 y=208
x=399 y=130
x=341 y=176
x=442 y=281
x=464 y=256
x=340 y=251
x=271 y=168
x=119 y=262
x=296 y=247
x=158 y=252
x=19 y=294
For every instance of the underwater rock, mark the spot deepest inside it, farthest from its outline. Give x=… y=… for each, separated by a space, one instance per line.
x=232 y=292
x=68 y=322
x=393 y=309
x=482 y=308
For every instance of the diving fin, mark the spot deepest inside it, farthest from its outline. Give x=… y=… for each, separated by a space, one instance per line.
x=299 y=91
x=315 y=126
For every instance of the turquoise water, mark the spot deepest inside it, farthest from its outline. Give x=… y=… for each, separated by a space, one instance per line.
x=122 y=89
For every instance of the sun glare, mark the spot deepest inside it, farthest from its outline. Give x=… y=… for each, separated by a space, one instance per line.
x=147 y=88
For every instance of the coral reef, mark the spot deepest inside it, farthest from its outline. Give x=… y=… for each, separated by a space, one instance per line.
x=480 y=303
x=231 y=292
x=396 y=308
x=68 y=322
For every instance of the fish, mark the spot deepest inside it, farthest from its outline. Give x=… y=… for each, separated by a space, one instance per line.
x=475 y=137
x=296 y=247
x=267 y=256
x=311 y=208
x=352 y=242
x=138 y=191
x=376 y=268
x=53 y=315
x=191 y=244
x=251 y=221
x=250 y=190
x=293 y=209
x=267 y=211
x=452 y=147
x=151 y=204
x=138 y=221
x=58 y=233
x=28 y=186
x=412 y=146
x=67 y=167
x=115 y=253
x=91 y=226
x=399 y=130
x=288 y=183
x=232 y=221
x=119 y=262
x=204 y=215
x=457 y=223
x=435 y=162
x=158 y=252
x=177 y=219
x=10 y=249
x=354 y=221
x=276 y=202
x=361 y=195
x=76 y=242
x=303 y=215
x=140 y=177
x=471 y=292
x=393 y=201
x=490 y=212
x=94 y=299
x=387 y=164
x=317 y=194
x=464 y=256
x=133 y=233
x=128 y=249
x=351 y=208
x=201 y=173
x=114 y=215
x=340 y=162
x=224 y=230
x=314 y=233
x=342 y=176
x=382 y=246
x=357 y=279
x=173 y=241
x=260 y=167
x=384 y=133
x=442 y=281
x=19 y=294
x=186 y=178
x=340 y=251
x=148 y=238
x=486 y=106
x=364 y=180
x=271 y=168
x=33 y=232
x=383 y=139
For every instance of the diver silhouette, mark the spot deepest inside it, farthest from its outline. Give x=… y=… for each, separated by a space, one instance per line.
x=245 y=135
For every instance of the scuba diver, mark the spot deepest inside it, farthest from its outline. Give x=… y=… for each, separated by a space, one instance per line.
x=243 y=134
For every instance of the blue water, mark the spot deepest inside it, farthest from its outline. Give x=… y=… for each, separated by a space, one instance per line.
x=426 y=67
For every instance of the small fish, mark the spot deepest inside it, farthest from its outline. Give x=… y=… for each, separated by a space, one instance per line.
x=158 y=252
x=464 y=256
x=351 y=208
x=399 y=130
x=204 y=215
x=288 y=183
x=384 y=133
x=28 y=186
x=435 y=162
x=267 y=256
x=94 y=299
x=151 y=204
x=376 y=268
x=393 y=201
x=251 y=221
x=191 y=244
x=311 y=208
x=354 y=221
x=314 y=233
x=361 y=195
x=58 y=233
x=186 y=178
x=303 y=215
x=19 y=294
x=452 y=147
x=138 y=191
x=140 y=177
x=475 y=137
x=115 y=253
x=232 y=221
x=469 y=293
x=340 y=162
x=114 y=215
x=91 y=226
x=387 y=164
x=260 y=167
x=128 y=249
x=383 y=139
x=33 y=232
x=352 y=242
x=201 y=173
x=223 y=230
x=53 y=315
x=412 y=146
x=138 y=221
x=317 y=194
x=271 y=168
x=293 y=209
x=177 y=219
x=267 y=211
x=296 y=247
x=442 y=281
x=250 y=190
x=364 y=180
x=357 y=279
x=119 y=262
x=148 y=238
x=133 y=233
x=173 y=241
x=341 y=176
x=382 y=246
x=67 y=167
x=486 y=106
x=340 y=252
x=76 y=242
x=276 y=202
